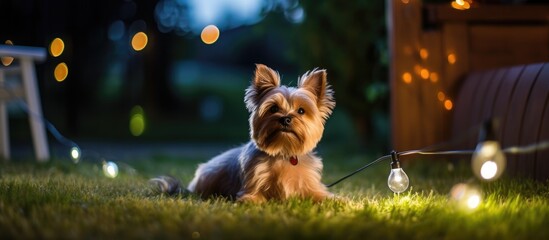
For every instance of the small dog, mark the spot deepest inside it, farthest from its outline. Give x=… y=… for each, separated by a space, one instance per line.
x=286 y=123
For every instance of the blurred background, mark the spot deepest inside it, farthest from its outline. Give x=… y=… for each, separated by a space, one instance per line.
x=142 y=72
x=139 y=71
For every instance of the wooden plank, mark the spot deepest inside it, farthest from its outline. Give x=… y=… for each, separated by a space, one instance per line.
x=496 y=46
x=456 y=53
x=497 y=38
x=532 y=124
x=433 y=129
x=496 y=13
x=403 y=29
x=514 y=119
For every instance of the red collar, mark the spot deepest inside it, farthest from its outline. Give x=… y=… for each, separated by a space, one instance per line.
x=293 y=160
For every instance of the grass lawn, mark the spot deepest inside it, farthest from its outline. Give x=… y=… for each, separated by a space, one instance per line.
x=62 y=200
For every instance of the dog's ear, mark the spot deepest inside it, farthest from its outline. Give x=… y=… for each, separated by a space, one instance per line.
x=316 y=82
x=265 y=79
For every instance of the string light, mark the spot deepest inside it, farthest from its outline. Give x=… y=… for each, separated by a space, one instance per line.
x=448 y=105
x=398 y=181
x=452 y=58
x=488 y=158
x=461 y=4
x=488 y=161
x=423 y=53
x=407 y=78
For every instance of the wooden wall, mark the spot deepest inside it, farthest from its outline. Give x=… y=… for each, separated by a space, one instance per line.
x=433 y=47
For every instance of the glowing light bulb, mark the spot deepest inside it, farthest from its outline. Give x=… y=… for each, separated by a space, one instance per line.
x=488 y=161
x=110 y=169
x=75 y=154
x=398 y=181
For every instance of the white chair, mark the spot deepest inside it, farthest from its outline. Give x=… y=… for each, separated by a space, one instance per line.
x=26 y=91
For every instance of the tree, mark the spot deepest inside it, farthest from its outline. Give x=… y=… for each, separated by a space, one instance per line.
x=348 y=38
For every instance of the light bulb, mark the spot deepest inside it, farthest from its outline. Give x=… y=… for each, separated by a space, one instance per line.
x=488 y=160
x=398 y=181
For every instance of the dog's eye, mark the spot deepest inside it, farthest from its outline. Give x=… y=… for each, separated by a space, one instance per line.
x=301 y=111
x=274 y=109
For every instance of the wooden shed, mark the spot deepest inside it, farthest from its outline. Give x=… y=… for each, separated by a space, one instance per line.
x=452 y=69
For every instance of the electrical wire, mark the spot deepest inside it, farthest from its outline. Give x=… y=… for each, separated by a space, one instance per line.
x=49 y=126
x=359 y=170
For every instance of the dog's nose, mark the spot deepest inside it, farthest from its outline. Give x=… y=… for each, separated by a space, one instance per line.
x=285 y=121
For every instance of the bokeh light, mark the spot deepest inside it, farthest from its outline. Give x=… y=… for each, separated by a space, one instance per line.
x=139 y=41
x=448 y=104
x=460 y=5
x=466 y=196
x=137 y=121
x=57 y=46
x=452 y=58
x=61 y=72
x=423 y=53
x=417 y=69
x=407 y=78
x=488 y=170
x=6 y=61
x=209 y=34
x=441 y=96
x=75 y=154
x=488 y=162
x=433 y=77
x=116 y=30
x=110 y=169
x=424 y=73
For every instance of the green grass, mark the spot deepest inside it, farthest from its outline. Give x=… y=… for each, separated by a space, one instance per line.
x=61 y=200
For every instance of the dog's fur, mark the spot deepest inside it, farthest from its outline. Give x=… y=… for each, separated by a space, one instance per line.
x=285 y=122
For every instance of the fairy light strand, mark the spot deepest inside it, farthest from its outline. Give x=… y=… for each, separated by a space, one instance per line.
x=511 y=150
x=544 y=144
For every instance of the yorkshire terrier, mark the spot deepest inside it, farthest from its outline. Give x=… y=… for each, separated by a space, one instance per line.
x=278 y=163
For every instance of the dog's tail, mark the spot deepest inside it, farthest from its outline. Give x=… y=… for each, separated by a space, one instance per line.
x=167 y=185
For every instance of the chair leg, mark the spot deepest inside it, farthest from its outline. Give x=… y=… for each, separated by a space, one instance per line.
x=35 y=110
x=4 y=126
